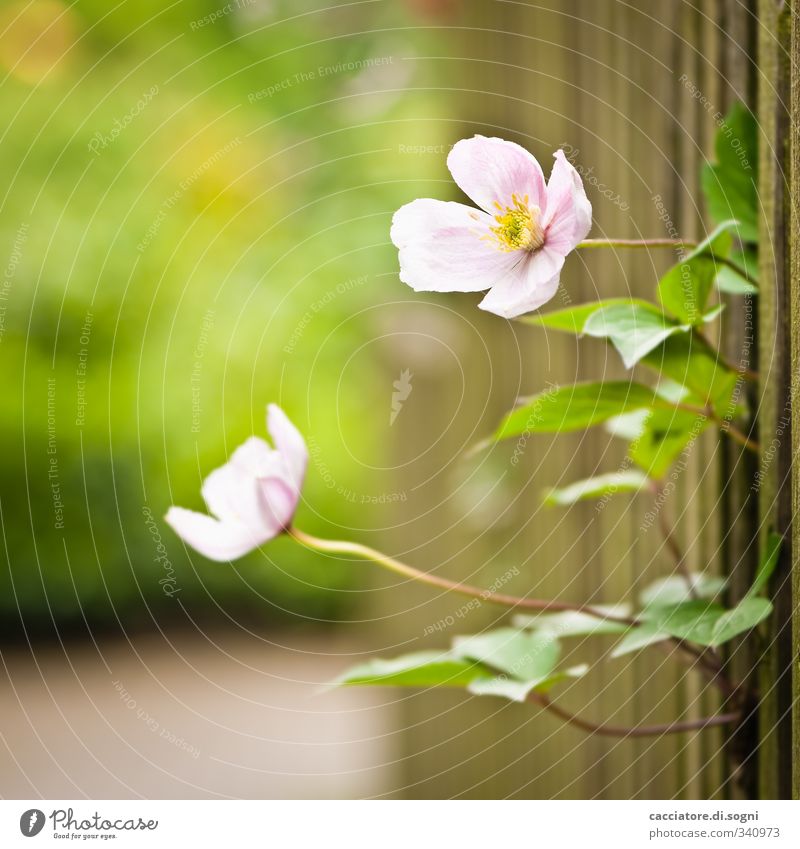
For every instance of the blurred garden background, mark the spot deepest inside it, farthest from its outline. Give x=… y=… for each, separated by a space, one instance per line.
x=195 y=222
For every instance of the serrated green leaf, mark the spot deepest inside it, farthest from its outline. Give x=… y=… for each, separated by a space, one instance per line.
x=573 y=319
x=573 y=623
x=674 y=590
x=634 y=329
x=575 y=407
x=638 y=638
x=521 y=654
x=612 y=483
x=420 y=669
x=767 y=564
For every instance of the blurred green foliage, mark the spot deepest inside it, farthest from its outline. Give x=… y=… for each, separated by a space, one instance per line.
x=168 y=221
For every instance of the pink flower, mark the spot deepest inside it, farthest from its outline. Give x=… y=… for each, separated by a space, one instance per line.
x=253 y=497
x=514 y=247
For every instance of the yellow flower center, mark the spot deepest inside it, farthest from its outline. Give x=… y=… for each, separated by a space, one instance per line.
x=518 y=226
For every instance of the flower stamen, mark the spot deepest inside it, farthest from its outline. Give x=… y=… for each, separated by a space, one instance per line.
x=518 y=226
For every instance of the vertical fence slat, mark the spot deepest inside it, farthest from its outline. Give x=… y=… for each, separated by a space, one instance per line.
x=775 y=713
x=794 y=319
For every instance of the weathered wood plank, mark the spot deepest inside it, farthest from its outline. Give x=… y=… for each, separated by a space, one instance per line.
x=775 y=308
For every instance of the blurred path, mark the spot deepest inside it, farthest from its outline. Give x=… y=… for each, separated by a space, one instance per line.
x=189 y=715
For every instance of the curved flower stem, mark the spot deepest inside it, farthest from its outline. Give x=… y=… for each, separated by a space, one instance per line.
x=606 y=730
x=709 y=664
x=637 y=243
x=363 y=551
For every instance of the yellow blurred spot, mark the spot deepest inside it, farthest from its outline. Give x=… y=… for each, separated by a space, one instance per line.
x=35 y=37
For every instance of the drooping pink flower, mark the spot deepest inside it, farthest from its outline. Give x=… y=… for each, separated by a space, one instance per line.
x=514 y=245
x=253 y=497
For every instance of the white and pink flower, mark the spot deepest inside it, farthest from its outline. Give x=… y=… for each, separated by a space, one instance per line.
x=253 y=497
x=514 y=245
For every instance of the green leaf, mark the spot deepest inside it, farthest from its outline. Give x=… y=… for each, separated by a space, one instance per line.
x=691 y=620
x=706 y=623
x=673 y=589
x=688 y=361
x=420 y=669
x=573 y=623
x=728 y=280
x=521 y=654
x=713 y=314
x=685 y=288
x=730 y=186
x=767 y=564
x=731 y=283
x=628 y=426
x=664 y=436
x=518 y=691
x=719 y=241
x=631 y=480
x=745 y=616
x=575 y=407
x=634 y=329
x=573 y=319
x=638 y=638
x=672 y=391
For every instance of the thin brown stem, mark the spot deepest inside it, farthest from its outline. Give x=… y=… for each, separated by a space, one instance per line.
x=363 y=551
x=724 y=425
x=675 y=550
x=606 y=730
x=746 y=373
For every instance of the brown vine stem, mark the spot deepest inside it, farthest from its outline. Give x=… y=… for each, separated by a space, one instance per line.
x=724 y=425
x=672 y=544
x=365 y=552
x=606 y=730
x=743 y=371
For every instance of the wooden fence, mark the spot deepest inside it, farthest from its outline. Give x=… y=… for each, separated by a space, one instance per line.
x=618 y=83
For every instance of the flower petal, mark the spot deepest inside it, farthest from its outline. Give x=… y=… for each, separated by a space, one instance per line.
x=279 y=500
x=216 y=540
x=569 y=214
x=491 y=170
x=232 y=495
x=258 y=459
x=447 y=247
x=532 y=284
x=289 y=442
